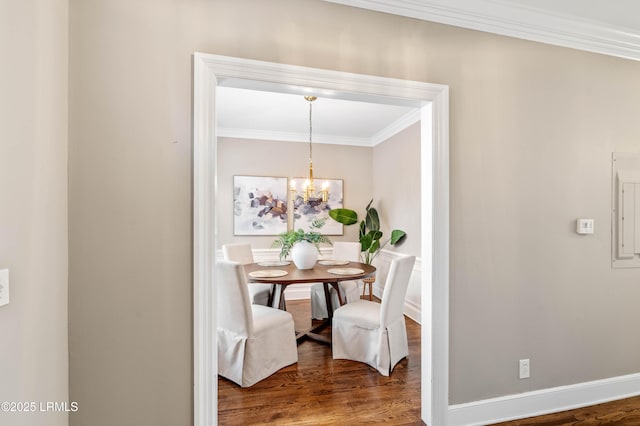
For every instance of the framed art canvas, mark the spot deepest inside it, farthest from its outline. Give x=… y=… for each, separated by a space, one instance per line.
x=259 y=205
x=304 y=214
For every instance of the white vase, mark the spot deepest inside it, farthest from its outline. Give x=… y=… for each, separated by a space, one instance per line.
x=304 y=255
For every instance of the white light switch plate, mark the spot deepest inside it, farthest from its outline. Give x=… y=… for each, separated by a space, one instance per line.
x=584 y=226
x=4 y=287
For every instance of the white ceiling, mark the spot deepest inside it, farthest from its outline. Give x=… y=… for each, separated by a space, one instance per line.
x=256 y=114
x=610 y=27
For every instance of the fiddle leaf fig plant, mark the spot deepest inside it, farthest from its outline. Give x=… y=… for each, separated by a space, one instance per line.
x=287 y=240
x=370 y=235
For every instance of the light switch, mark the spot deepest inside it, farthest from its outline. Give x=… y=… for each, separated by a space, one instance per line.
x=4 y=287
x=584 y=226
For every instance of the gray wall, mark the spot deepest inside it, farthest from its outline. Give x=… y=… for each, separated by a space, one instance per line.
x=33 y=208
x=532 y=131
x=290 y=159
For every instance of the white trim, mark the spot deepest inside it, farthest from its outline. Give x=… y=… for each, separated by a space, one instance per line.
x=396 y=127
x=434 y=100
x=515 y=20
x=267 y=135
x=205 y=357
x=544 y=401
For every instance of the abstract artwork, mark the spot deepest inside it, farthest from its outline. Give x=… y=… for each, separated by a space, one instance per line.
x=304 y=214
x=259 y=205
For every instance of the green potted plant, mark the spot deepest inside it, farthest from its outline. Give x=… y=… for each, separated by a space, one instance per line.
x=370 y=236
x=304 y=246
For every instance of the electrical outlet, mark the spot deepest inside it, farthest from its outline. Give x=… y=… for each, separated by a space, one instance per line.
x=4 y=287
x=525 y=369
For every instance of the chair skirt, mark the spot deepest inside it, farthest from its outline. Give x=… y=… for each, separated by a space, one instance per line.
x=246 y=361
x=358 y=336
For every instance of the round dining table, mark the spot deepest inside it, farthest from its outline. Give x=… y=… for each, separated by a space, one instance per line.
x=328 y=272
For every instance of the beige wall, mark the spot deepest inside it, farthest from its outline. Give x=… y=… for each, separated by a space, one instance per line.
x=289 y=159
x=532 y=131
x=33 y=212
x=396 y=187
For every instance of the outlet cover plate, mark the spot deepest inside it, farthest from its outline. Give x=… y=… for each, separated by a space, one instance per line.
x=4 y=287
x=525 y=369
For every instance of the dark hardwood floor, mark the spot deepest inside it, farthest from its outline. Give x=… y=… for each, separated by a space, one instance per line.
x=319 y=390
x=623 y=412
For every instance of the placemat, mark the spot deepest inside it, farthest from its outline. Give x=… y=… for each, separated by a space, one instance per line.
x=345 y=271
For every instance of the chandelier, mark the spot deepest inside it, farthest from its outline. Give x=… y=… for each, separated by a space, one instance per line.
x=308 y=189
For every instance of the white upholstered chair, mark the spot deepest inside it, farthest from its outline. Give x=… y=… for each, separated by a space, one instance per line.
x=241 y=252
x=254 y=341
x=348 y=289
x=375 y=333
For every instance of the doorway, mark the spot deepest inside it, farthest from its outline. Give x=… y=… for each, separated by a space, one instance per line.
x=211 y=71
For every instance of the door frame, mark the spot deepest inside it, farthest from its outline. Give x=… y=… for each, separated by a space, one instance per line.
x=209 y=71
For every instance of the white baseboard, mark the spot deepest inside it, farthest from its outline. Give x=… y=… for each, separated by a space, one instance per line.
x=544 y=401
x=413 y=311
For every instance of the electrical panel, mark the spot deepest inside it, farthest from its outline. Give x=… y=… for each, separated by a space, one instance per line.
x=625 y=247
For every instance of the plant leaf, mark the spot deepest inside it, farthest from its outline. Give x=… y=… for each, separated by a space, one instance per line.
x=375 y=246
x=363 y=230
x=365 y=242
x=344 y=216
x=397 y=237
x=375 y=235
x=372 y=220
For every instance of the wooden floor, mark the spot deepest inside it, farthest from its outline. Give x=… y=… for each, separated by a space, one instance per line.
x=321 y=391
x=624 y=412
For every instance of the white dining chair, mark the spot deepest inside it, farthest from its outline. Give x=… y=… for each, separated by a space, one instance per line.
x=241 y=252
x=254 y=341
x=348 y=289
x=375 y=333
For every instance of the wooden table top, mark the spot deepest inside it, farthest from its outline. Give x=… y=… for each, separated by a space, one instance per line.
x=319 y=273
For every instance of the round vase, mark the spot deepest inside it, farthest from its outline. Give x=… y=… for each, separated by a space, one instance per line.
x=304 y=255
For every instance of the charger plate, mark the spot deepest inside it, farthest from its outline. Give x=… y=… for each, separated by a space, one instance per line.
x=268 y=273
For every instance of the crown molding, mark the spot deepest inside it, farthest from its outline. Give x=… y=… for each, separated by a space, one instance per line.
x=269 y=135
x=515 y=20
x=396 y=127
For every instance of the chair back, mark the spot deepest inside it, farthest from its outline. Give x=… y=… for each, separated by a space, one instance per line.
x=238 y=252
x=395 y=289
x=346 y=251
x=232 y=299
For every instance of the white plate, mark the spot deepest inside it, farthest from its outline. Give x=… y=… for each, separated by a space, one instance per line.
x=274 y=263
x=332 y=262
x=345 y=271
x=268 y=273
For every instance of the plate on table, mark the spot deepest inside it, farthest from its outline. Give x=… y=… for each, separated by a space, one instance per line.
x=274 y=263
x=345 y=271
x=268 y=273
x=333 y=262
